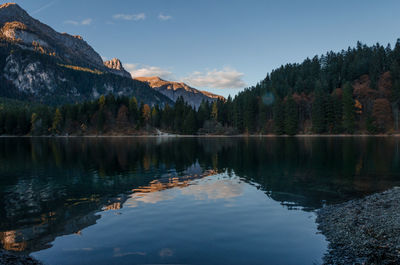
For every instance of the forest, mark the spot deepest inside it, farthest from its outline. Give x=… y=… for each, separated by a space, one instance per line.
x=352 y=91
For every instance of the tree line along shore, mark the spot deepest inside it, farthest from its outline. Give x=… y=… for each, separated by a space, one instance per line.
x=354 y=91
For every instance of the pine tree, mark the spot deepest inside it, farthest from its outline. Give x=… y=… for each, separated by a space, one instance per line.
x=291 y=114
x=318 y=111
x=279 y=116
x=348 y=109
x=214 y=111
x=133 y=110
x=189 y=125
x=155 y=117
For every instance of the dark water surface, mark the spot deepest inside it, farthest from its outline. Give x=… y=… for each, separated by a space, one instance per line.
x=182 y=200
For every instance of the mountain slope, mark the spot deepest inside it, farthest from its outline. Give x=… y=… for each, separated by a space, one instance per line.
x=40 y=64
x=174 y=90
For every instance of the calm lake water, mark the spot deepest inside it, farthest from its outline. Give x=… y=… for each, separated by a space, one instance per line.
x=182 y=200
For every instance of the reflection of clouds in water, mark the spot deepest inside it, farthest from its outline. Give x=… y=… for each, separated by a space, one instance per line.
x=151 y=197
x=118 y=253
x=214 y=190
x=77 y=249
x=205 y=189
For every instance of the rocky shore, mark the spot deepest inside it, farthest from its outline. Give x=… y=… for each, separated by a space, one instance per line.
x=363 y=231
x=8 y=258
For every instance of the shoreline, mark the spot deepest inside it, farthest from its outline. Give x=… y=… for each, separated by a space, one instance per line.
x=8 y=257
x=363 y=231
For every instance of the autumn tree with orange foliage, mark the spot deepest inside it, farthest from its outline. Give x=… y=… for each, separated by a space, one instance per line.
x=146 y=113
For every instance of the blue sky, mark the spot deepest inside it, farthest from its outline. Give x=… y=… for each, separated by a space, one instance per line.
x=218 y=45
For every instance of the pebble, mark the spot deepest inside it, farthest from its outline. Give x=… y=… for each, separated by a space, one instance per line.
x=363 y=231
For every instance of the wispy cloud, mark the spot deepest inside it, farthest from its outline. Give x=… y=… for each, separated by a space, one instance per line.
x=44 y=7
x=225 y=78
x=138 y=70
x=85 y=22
x=134 y=17
x=163 y=17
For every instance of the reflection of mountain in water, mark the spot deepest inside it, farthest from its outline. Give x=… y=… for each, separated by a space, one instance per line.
x=74 y=207
x=54 y=187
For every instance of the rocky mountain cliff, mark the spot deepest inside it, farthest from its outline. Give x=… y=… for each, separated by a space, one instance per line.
x=28 y=33
x=174 y=90
x=41 y=65
x=116 y=65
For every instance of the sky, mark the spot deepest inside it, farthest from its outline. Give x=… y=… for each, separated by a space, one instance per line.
x=221 y=46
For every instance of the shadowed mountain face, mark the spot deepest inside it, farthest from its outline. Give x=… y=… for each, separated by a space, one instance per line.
x=54 y=187
x=174 y=90
x=39 y=64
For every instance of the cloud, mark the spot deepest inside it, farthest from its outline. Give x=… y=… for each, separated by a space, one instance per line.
x=135 y=17
x=85 y=22
x=138 y=70
x=164 y=17
x=225 y=78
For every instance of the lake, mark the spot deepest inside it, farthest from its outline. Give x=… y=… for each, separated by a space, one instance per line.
x=133 y=200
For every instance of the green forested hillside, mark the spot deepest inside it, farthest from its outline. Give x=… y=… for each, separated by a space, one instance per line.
x=353 y=91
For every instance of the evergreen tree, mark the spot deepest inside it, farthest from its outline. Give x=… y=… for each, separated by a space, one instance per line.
x=318 y=111
x=214 y=111
x=133 y=110
x=279 y=116
x=189 y=125
x=348 y=109
x=155 y=117
x=291 y=116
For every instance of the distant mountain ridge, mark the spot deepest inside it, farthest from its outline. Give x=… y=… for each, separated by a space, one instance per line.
x=39 y=64
x=174 y=90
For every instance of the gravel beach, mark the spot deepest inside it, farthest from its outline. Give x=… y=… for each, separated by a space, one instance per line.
x=363 y=231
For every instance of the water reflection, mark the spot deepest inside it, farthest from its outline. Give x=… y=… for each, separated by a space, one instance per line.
x=55 y=187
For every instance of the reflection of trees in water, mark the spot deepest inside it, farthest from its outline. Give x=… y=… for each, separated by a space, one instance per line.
x=50 y=187
x=312 y=170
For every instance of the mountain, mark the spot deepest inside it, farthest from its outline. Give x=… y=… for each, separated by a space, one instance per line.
x=39 y=64
x=174 y=90
x=116 y=66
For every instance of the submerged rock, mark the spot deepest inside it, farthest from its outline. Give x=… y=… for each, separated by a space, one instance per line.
x=363 y=231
